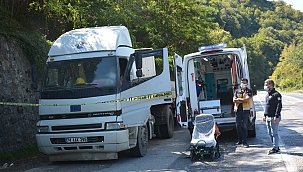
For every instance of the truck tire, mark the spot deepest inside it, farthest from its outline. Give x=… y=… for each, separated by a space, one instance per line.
x=158 y=131
x=142 y=142
x=167 y=130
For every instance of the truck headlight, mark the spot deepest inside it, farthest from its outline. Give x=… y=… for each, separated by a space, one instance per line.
x=114 y=125
x=42 y=129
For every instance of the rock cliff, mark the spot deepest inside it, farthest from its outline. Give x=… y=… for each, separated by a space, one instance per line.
x=17 y=123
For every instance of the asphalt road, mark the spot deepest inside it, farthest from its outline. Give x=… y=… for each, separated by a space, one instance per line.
x=173 y=154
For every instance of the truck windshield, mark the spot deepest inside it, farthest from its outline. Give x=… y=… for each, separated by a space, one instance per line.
x=81 y=73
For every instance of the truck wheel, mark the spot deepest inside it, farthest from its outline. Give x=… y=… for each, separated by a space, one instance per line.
x=158 y=131
x=142 y=143
x=167 y=130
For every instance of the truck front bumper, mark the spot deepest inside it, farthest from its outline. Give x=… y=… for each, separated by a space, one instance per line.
x=106 y=143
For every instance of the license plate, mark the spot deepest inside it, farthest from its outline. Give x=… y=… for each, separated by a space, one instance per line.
x=75 y=139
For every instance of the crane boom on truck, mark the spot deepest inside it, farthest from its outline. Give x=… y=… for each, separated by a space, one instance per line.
x=99 y=96
x=210 y=78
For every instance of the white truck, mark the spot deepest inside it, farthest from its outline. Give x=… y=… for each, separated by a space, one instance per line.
x=99 y=96
x=210 y=78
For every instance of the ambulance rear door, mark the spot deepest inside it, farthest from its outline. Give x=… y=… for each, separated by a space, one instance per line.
x=181 y=105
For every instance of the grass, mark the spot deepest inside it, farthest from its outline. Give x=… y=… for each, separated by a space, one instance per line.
x=18 y=154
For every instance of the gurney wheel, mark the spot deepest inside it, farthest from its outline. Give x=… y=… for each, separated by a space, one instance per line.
x=217 y=155
x=213 y=155
x=192 y=156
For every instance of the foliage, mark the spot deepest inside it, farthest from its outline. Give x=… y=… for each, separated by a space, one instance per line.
x=181 y=26
x=265 y=27
x=8 y=25
x=34 y=46
x=288 y=72
x=15 y=10
x=218 y=35
x=65 y=15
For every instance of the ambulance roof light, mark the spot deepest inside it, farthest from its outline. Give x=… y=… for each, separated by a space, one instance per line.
x=212 y=47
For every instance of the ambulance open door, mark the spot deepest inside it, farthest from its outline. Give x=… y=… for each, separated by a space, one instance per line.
x=181 y=105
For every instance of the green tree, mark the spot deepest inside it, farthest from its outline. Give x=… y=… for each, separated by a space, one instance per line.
x=288 y=72
x=265 y=27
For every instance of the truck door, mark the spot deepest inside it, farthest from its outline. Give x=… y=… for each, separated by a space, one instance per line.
x=181 y=109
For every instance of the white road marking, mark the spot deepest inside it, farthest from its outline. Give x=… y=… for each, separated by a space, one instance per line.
x=296 y=100
x=288 y=161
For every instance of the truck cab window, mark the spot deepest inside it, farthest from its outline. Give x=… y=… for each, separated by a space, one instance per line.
x=84 y=73
x=152 y=65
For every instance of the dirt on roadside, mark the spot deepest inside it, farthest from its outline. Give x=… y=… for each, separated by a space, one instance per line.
x=24 y=164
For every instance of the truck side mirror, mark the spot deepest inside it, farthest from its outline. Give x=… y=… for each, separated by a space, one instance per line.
x=139 y=73
x=138 y=59
x=34 y=84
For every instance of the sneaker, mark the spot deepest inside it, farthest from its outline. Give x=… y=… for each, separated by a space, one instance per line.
x=245 y=145
x=238 y=144
x=273 y=151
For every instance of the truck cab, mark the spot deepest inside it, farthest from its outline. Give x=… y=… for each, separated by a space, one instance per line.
x=100 y=96
x=210 y=77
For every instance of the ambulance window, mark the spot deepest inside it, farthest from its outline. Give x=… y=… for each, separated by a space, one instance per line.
x=179 y=80
x=239 y=67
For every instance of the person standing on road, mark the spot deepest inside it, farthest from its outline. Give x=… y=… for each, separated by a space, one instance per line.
x=272 y=114
x=242 y=100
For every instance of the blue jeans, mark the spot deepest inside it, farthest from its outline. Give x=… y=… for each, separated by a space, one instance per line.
x=273 y=131
x=241 y=125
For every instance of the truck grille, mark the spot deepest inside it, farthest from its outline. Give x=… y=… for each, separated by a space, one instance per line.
x=79 y=115
x=77 y=127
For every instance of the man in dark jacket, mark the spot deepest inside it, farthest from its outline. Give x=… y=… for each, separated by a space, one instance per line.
x=272 y=114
